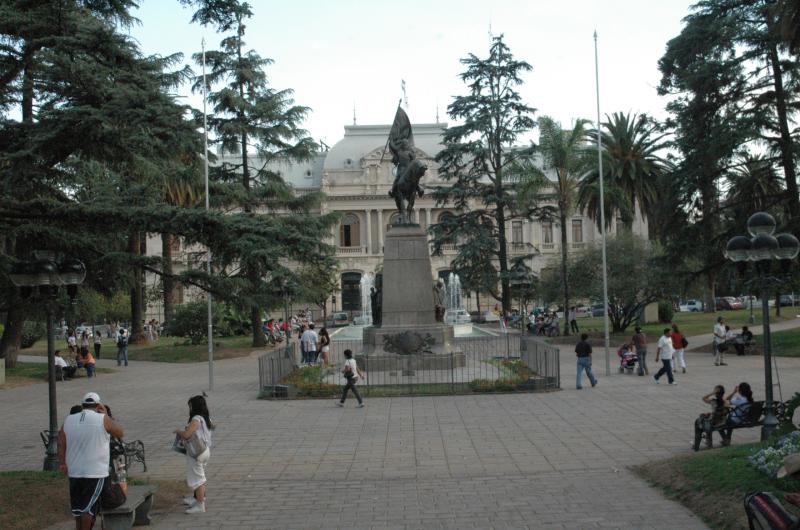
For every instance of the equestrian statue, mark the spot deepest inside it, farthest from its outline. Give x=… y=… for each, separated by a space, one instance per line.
x=407 y=169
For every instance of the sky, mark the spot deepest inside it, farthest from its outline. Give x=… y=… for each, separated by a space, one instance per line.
x=338 y=55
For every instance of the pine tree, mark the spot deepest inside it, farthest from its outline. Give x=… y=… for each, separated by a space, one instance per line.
x=252 y=118
x=477 y=162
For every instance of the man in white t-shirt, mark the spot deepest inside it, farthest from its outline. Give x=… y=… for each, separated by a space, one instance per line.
x=308 y=343
x=665 y=353
x=84 y=453
x=719 y=342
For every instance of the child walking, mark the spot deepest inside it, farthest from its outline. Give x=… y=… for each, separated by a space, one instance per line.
x=351 y=373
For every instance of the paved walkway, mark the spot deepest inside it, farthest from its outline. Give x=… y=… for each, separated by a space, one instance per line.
x=484 y=461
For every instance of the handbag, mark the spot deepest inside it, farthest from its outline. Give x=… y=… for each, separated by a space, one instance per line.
x=113 y=495
x=178 y=444
x=194 y=445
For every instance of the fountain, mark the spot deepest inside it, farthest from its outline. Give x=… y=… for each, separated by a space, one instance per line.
x=455 y=315
x=367 y=282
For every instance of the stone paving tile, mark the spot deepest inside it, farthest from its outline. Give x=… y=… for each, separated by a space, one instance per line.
x=504 y=461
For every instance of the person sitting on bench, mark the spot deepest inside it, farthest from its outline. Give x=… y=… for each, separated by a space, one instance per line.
x=67 y=371
x=743 y=340
x=739 y=401
x=86 y=360
x=717 y=401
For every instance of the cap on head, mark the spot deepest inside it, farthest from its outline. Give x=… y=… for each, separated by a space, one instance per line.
x=638 y=329
x=720 y=319
x=90 y=398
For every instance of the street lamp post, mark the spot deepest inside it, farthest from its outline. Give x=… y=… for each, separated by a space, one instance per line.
x=47 y=275
x=763 y=248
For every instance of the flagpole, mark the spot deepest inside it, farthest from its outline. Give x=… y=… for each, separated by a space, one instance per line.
x=602 y=212
x=208 y=254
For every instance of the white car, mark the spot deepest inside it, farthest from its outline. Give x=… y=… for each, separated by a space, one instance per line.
x=690 y=306
x=457 y=316
x=490 y=316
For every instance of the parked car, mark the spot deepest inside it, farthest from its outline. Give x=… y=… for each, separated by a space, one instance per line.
x=457 y=316
x=728 y=303
x=338 y=319
x=597 y=310
x=787 y=300
x=690 y=306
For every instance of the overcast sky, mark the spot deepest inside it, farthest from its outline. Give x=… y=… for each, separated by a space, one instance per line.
x=339 y=53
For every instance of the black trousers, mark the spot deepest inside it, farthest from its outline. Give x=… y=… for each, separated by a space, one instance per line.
x=97 y=350
x=573 y=325
x=351 y=385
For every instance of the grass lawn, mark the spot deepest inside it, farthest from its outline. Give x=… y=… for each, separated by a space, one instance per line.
x=30 y=373
x=38 y=499
x=689 y=323
x=786 y=343
x=166 y=349
x=712 y=483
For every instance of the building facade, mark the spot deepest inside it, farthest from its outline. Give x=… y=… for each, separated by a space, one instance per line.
x=356 y=175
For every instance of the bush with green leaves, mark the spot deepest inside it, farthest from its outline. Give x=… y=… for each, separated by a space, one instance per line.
x=665 y=312
x=31 y=332
x=190 y=321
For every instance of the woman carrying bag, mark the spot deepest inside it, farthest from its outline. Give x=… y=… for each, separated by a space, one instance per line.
x=197 y=440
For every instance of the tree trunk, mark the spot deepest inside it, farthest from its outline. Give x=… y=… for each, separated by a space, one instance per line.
x=170 y=293
x=787 y=160
x=137 y=302
x=777 y=303
x=259 y=339
x=11 y=341
x=563 y=219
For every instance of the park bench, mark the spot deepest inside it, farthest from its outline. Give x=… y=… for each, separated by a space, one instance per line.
x=134 y=451
x=135 y=511
x=707 y=424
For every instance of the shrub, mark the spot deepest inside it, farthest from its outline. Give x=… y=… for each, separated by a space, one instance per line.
x=191 y=321
x=31 y=332
x=665 y=312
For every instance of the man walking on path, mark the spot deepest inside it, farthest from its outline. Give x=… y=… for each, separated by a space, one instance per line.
x=679 y=343
x=719 y=342
x=583 y=351
x=639 y=341
x=84 y=452
x=665 y=352
x=309 y=341
x=122 y=347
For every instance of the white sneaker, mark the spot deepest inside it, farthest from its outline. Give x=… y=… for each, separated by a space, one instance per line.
x=199 y=507
x=360 y=406
x=674 y=383
x=339 y=404
x=189 y=501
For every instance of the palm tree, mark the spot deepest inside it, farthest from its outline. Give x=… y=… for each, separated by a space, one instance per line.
x=563 y=152
x=184 y=194
x=754 y=185
x=631 y=167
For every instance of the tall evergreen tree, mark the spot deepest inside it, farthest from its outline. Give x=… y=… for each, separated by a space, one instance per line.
x=477 y=159
x=253 y=119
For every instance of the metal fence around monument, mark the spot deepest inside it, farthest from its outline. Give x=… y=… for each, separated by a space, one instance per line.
x=502 y=363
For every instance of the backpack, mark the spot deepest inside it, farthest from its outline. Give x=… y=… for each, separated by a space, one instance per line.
x=122 y=341
x=765 y=512
x=684 y=342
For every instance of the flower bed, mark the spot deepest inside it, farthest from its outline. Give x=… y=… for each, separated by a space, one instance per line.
x=770 y=459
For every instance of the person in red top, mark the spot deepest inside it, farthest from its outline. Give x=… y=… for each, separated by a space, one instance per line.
x=679 y=343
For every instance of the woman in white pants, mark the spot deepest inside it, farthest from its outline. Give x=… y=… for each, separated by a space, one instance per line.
x=678 y=342
x=200 y=422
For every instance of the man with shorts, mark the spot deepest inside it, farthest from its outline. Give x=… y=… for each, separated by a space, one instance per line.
x=84 y=454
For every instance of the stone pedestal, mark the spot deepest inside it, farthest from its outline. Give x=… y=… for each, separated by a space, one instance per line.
x=407 y=297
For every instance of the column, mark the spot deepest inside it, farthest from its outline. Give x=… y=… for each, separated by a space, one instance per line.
x=380 y=231
x=369 y=231
x=427 y=218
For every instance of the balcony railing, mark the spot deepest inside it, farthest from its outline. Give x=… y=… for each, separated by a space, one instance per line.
x=351 y=250
x=578 y=245
x=548 y=246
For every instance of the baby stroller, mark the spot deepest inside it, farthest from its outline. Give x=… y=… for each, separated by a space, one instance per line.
x=627 y=359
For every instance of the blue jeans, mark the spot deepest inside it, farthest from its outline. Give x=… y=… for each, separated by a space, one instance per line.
x=666 y=369
x=122 y=355
x=309 y=356
x=584 y=363
x=642 y=355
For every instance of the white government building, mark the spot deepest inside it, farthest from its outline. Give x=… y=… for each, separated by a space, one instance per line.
x=356 y=184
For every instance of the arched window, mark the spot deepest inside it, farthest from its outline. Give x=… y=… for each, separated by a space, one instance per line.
x=443 y=216
x=351 y=291
x=349 y=233
x=392 y=220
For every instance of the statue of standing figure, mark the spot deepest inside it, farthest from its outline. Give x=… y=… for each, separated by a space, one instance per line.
x=376 y=302
x=408 y=170
x=439 y=298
